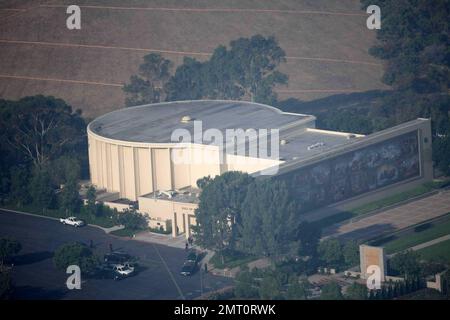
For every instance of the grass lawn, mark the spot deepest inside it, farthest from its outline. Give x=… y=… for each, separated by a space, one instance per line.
x=103 y=221
x=418 y=236
x=231 y=260
x=399 y=197
x=439 y=250
x=382 y=203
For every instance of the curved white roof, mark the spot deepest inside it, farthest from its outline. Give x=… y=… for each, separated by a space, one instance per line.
x=154 y=123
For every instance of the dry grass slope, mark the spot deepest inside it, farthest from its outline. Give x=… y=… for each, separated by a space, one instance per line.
x=326 y=43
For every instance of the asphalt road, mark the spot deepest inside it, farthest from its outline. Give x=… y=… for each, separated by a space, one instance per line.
x=35 y=276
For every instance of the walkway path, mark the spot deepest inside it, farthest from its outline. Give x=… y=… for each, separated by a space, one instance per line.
x=396 y=218
x=430 y=243
x=164 y=239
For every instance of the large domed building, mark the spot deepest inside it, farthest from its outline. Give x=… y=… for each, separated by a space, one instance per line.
x=153 y=155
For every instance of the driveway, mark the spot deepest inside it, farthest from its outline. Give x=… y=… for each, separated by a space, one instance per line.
x=35 y=276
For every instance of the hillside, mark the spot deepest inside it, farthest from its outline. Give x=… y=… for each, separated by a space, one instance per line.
x=326 y=43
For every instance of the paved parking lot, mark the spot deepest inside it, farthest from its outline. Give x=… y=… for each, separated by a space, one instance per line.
x=394 y=219
x=35 y=276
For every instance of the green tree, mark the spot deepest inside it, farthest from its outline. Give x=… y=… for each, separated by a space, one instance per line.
x=254 y=65
x=76 y=254
x=441 y=153
x=331 y=291
x=297 y=290
x=220 y=82
x=133 y=220
x=70 y=198
x=330 y=251
x=19 y=191
x=269 y=220
x=350 y=252
x=148 y=86
x=8 y=248
x=406 y=264
x=64 y=169
x=139 y=91
x=188 y=82
x=357 y=291
x=413 y=41
x=41 y=190
x=155 y=69
x=39 y=129
x=248 y=67
x=219 y=210
x=309 y=236
x=35 y=134
x=246 y=286
x=270 y=288
x=202 y=182
x=91 y=198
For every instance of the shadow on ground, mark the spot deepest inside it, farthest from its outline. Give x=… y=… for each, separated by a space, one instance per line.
x=36 y=293
x=32 y=257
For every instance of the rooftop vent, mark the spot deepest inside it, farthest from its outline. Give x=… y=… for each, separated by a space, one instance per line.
x=316 y=145
x=185 y=119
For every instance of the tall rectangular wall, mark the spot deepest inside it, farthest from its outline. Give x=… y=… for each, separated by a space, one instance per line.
x=397 y=159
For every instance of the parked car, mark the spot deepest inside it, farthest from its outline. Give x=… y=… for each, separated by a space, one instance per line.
x=108 y=272
x=124 y=270
x=192 y=256
x=188 y=268
x=117 y=257
x=115 y=271
x=72 y=221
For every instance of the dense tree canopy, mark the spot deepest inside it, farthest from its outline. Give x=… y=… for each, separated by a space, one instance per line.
x=247 y=69
x=406 y=264
x=257 y=217
x=43 y=143
x=219 y=210
x=414 y=40
x=269 y=221
x=40 y=129
x=148 y=86
x=76 y=254
x=357 y=291
x=331 y=291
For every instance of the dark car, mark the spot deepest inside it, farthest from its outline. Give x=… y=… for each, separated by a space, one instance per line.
x=192 y=256
x=188 y=268
x=107 y=272
x=117 y=257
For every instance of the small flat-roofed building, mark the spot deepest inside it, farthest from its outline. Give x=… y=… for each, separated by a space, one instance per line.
x=136 y=152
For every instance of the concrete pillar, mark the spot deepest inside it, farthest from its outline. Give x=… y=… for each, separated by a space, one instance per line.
x=174 y=225
x=184 y=222
x=186 y=227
